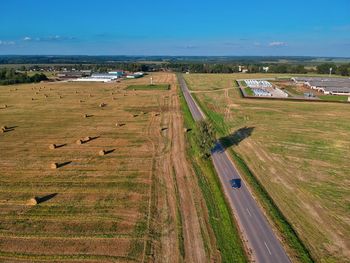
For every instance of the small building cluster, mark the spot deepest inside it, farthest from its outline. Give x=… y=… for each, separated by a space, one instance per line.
x=328 y=86
x=88 y=76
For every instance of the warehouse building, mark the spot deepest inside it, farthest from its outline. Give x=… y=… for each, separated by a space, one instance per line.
x=328 y=86
x=99 y=77
x=119 y=73
x=73 y=74
x=135 y=75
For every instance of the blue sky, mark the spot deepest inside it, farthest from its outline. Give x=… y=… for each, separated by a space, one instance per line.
x=221 y=27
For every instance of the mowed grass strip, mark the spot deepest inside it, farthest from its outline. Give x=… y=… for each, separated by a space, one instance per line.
x=298 y=152
x=334 y=98
x=149 y=87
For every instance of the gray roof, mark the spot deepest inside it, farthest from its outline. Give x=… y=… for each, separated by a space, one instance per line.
x=307 y=79
x=329 y=83
x=337 y=89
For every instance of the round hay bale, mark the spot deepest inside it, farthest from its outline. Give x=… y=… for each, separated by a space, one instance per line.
x=116 y=124
x=87 y=138
x=33 y=201
x=85 y=115
x=79 y=142
x=54 y=165
x=52 y=146
x=102 y=152
x=5 y=106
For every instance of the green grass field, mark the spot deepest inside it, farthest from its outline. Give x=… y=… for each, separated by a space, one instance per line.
x=298 y=151
x=149 y=87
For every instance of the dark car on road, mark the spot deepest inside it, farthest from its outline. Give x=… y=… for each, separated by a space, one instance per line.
x=236 y=183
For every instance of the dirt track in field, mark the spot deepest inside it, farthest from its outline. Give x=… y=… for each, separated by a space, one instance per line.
x=183 y=193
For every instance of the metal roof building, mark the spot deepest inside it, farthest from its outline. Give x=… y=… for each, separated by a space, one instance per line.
x=332 y=86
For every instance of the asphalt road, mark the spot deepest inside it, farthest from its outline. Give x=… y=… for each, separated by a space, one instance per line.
x=262 y=241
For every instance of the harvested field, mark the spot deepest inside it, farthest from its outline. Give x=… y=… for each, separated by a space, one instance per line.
x=299 y=151
x=71 y=204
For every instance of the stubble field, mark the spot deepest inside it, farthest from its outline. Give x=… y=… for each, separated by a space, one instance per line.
x=92 y=207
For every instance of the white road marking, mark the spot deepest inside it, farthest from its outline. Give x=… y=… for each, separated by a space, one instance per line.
x=267 y=248
x=249 y=212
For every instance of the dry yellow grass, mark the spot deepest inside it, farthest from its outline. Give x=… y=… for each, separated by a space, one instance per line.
x=101 y=209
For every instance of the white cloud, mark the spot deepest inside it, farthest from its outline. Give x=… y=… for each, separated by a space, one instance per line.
x=27 y=38
x=277 y=44
x=6 y=43
x=54 y=38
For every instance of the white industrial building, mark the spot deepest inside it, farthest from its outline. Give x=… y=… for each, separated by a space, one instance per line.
x=135 y=75
x=98 y=77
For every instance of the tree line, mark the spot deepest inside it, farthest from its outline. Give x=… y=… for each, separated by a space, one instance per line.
x=343 y=70
x=11 y=76
x=197 y=67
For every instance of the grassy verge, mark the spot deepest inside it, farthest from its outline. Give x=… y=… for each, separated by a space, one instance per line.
x=290 y=238
x=227 y=236
x=249 y=91
x=235 y=84
x=334 y=97
x=149 y=87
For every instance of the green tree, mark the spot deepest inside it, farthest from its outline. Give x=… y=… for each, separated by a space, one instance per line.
x=344 y=70
x=205 y=136
x=324 y=68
